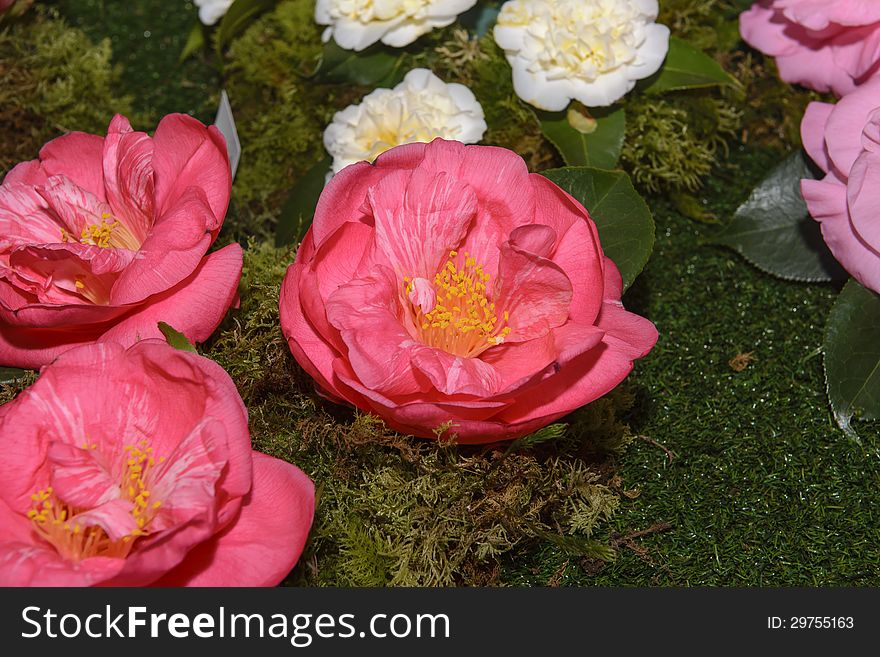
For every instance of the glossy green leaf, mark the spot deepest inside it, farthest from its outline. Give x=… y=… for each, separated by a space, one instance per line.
x=194 y=42
x=175 y=338
x=238 y=16
x=686 y=68
x=299 y=208
x=377 y=64
x=594 y=139
x=626 y=227
x=774 y=231
x=852 y=356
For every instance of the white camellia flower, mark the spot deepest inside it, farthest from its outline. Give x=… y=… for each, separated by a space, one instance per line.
x=589 y=50
x=210 y=11
x=357 y=24
x=420 y=108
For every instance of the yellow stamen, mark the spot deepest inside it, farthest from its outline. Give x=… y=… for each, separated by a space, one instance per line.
x=75 y=541
x=463 y=322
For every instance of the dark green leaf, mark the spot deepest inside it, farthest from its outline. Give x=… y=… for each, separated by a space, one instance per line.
x=852 y=356
x=11 y=374
x=194 y=42
x=592 y=140
x=299 y=208
x=774 y=231
x=368 y=67
x=480 y=19
x=626 y=227
x=686 y=68
x=238 y=16
x=175 y=338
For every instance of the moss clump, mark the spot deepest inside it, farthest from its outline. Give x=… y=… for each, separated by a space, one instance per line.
x=672 y=143
x=399 y=510
x=54 y=80
x=280 y=114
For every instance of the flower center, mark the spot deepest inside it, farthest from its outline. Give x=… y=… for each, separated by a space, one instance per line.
x=56 y=521
x=460 y=319
x=109 y=232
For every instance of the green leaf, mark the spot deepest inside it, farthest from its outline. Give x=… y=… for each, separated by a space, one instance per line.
x=11 y=374
x=548 y=433
x=593 y=140
x=626 y=227
x=852 y=356
x=175 y=338
x=774 y=231
x=237 y=17
x=686 y=68
x=368 y=67
x=299 y=208
x=194 y=42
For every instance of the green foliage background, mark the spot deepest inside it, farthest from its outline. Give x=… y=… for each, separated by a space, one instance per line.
x=716 y=464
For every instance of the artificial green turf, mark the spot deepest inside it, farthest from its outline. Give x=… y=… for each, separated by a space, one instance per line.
x=763 y=489
x=147 y=39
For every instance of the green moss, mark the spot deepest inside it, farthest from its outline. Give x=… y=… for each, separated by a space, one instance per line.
x=672 y=143
x=54 y=80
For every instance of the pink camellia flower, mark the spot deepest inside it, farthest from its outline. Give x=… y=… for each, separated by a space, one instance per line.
x=844 y=141
x=826 y=45
x=102 y=238
x=447 y=288
x=134 y=467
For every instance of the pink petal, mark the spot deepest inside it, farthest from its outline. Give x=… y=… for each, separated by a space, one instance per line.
x=24 y=217
x=813 y=133
x=366 y=313
x=766 y=29
x=79 y=157
x=454 y=375
x=815 y=69
x=819 y=14
x=28 y=173
x=534 y=290
x=264 y=543
x=863 y=197
x=339 y=259
x=172 y=251
x=114 y=517
x=343 y=200
x=844 y=128
x=419 y=218
x=310 y=350
x=128 y=176
x=187 y=154
x=80 y=476
x=827 y=204
x=195 y=306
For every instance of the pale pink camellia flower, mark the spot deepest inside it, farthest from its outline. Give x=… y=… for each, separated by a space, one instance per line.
x=826 y=45
x=446 y=288
x=844 y=141
x=103 y=237
x=134 y=467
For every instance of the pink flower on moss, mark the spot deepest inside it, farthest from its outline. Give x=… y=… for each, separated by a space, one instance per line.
x=103 y=237
x=826 y=45
x=445 y=286
x=844 y=141
x=134 y=467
